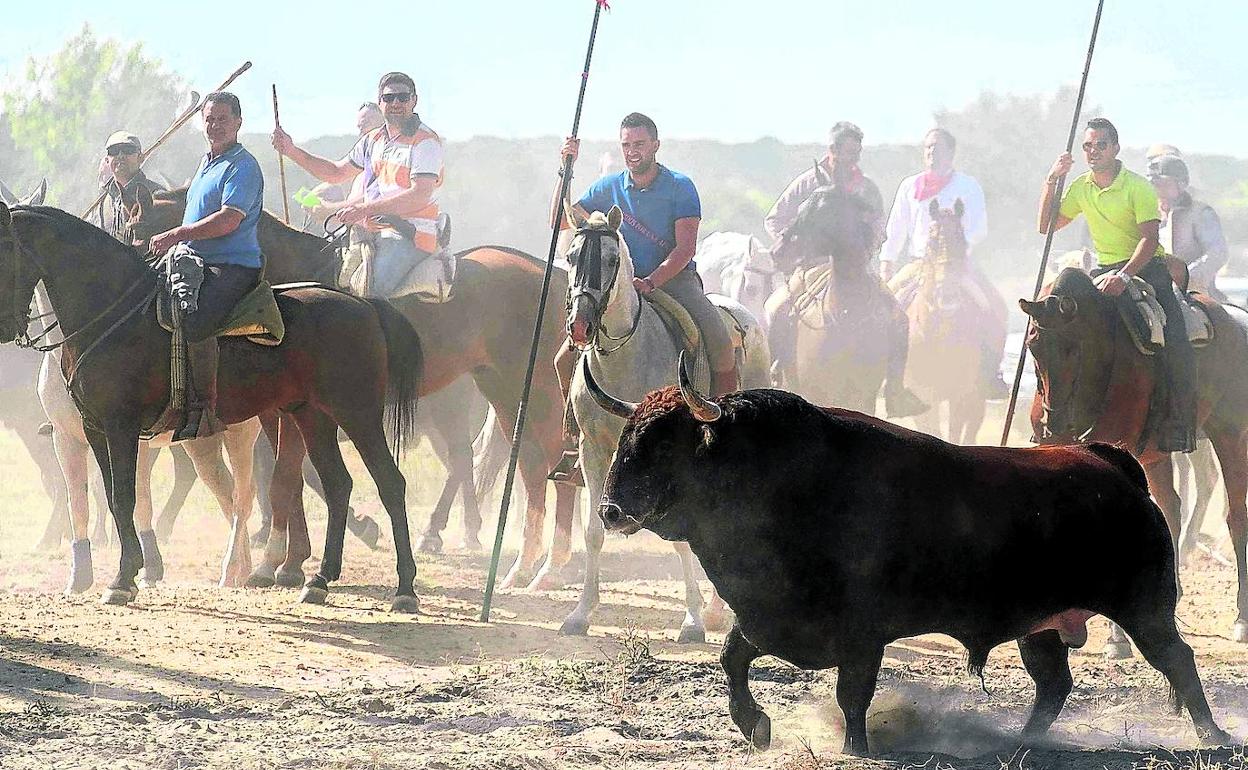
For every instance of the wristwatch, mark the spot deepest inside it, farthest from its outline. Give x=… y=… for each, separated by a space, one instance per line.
x=648 y=282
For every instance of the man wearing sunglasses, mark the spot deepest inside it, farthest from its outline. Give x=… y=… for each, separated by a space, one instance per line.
x=1123 y=216
x=122 y=157
x=402 y=166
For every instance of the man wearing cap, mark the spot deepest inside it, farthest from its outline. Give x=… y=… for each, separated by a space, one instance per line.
x=841 y=166
x=122 y=151
x=910 y=220
x=223 y=206
x=1122 y=212
x=402 y=166
x=1190 y=229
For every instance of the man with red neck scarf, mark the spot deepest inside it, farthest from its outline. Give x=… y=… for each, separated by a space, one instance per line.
x=906 y=235
x=840 y=166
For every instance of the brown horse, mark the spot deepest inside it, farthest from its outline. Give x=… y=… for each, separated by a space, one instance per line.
x=1095 y=386
x=840 y=353
x=949 y=329
x=484 y=329
x=344 y=362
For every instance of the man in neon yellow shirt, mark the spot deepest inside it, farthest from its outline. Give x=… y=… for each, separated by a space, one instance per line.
x=1123 y=217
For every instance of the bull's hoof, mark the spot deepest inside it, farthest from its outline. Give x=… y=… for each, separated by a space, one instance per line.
x=691 y=635
x=408 y=605
x=288 y=578
x=1216 y=736
x=119 y=597
x=759 y=731
x=1239 y=631
x=259 y=580
x=430 y=542
x=1118 y=650
x=313 y=594
x=574 y=626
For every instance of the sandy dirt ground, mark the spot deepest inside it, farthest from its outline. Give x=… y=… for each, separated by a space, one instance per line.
x=193 y=676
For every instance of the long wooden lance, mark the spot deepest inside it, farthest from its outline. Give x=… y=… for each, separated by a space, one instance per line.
x=1054 y=209
x=177 y=123
x=523 y=409
x=281 y=162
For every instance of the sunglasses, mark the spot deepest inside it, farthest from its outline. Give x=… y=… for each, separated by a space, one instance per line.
x=390 y=98
x=1099 y=144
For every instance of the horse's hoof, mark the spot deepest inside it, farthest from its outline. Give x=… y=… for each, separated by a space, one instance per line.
x=409 y=605
x=545 y=581
x=313 y=595
x=1118 y=650
x=119 y=597
x=761 y=735
x=1239 y=631
x=259 y=580
x=292 y=578
x=472 y=544
x=691 y=635
x=430 y=542
x=574 y=626
x=81 y=570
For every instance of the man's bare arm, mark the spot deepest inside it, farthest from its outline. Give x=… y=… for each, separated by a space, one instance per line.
x=682 y=255
x=332 y=171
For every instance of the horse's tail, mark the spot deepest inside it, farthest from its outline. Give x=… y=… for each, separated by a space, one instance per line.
x=405 y=364
x=489 y=455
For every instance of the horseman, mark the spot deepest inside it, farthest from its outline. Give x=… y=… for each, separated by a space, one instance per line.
x=662 y=213
x=840 y=168
x=396 y=222
x=1190 y=228
x=122 y=154
x=910 y=221
x=1122 y=212
x=218 y=230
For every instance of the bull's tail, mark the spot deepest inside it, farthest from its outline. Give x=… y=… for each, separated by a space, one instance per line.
x=1122 y=460
x=405 y=364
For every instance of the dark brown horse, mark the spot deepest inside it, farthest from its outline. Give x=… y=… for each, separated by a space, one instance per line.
x=484 y=330
x=839 y=355
x=344 y=362
x=1094 y=385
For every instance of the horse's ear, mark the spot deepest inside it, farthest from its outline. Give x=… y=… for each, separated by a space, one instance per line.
x=615 y=217
x=6 y=217
x=959 y=208
x=933 y=208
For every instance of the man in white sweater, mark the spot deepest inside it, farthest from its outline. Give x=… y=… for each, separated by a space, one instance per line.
x=910 y=219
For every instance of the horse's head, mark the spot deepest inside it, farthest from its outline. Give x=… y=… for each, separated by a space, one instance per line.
x=1070 y=339
x=832 y=222
x=599 y=266
x=154 y=214
x=18 y=276
x=946 y=240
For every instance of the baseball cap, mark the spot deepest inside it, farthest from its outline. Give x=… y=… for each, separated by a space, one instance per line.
x=118 y=138
x=1159 y=149
x=1170 y=166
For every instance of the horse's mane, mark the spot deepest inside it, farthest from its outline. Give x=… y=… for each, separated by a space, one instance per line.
x=85 y=235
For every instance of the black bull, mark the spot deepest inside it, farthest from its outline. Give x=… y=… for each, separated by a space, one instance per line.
x=832 y=534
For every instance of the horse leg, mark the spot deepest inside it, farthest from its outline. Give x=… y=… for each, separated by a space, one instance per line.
x=264 y=459
x=287 y=546
x=240 y=443
x=1205 y=478
x=548 y=577
x=320 y=436
x=472 y=508
x=153 y=564
x=53 y=480
x=691 y=630
x=431 y=540
x=363 y=527
x=117 y=455
x=577 y=621
x=1232 y=449
x=183 y=480
x=370 y=442
x=71 y=454
x=533 y=470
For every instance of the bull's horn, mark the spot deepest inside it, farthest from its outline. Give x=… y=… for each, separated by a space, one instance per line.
x=703 y=408
x=605 y=400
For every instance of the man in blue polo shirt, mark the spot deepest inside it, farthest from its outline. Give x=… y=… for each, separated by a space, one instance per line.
x=662 y=213
x=223 y=207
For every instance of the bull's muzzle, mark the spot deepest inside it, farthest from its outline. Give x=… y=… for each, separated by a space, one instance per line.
x=615 y=519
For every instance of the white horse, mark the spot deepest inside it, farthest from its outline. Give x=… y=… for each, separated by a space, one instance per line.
x=737 y=265
x=235 y=493
x=629 y=351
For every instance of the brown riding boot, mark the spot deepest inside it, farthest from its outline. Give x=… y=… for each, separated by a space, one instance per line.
x=568 y=469
x=201 y=415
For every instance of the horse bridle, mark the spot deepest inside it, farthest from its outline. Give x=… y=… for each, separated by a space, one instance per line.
x=1047 y=409
x=588 y=280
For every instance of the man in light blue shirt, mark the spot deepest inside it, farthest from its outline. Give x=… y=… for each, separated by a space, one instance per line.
x=223 y=207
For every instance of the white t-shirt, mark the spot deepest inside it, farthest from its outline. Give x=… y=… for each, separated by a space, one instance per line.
x=909 y=221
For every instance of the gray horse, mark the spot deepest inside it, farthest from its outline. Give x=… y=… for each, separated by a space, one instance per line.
x=630 y=352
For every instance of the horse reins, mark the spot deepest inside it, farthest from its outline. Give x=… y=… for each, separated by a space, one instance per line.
x=586 y=282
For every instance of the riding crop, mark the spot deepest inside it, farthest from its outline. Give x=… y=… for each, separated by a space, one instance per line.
x=522 y=411
x=281 y=162
x=178 y=122
x=1054 y=208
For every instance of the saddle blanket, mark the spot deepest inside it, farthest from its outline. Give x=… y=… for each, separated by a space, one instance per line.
x=686 y=333
x=1145 y=320
x=256 y=316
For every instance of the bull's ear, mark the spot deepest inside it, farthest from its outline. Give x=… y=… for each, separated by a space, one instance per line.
x=933 y=208
x=1033 y=309
x=615 y=217
x=6 y=217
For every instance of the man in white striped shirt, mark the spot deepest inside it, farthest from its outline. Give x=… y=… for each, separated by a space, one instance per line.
x=910 y=220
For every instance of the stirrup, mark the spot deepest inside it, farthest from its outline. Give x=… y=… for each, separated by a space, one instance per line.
x=568 y=469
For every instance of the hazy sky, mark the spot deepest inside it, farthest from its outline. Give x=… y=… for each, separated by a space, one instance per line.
x=729 y=70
